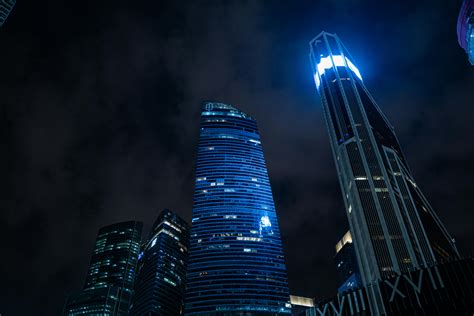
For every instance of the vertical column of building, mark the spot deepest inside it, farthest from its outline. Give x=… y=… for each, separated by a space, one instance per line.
x=109 y=283
x=161 y=280
x=6 y=6
x=236 y=261
x=393 y=226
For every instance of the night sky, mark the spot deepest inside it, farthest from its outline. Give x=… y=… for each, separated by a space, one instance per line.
x=99 y=122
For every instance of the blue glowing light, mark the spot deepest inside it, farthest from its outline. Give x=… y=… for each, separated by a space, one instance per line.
x=265 y=221
x=335 y=61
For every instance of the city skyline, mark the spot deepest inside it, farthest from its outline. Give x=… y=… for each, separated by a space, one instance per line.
x=100 y=117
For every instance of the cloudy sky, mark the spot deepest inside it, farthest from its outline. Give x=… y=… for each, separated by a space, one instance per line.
x=99 y=115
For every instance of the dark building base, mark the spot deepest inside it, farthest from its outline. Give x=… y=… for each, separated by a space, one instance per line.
x=443 y=289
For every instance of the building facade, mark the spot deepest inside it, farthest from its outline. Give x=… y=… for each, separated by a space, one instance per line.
x=161 y=280
x=346 y=264
x=101 y=301
x=300 y=304
x=6 y=6
x=465 y=28
x=111 y=275
x=394 y=228
x=236 y=264
x=442 y=289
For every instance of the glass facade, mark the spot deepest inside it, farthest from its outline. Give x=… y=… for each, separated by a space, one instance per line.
x=161 y=279
x=102 y=301
x=442 y=289
x=394 y=228
x=465 y=28
x=236 y=264
x=346 y=264
x=111 y=275
x=6 y=7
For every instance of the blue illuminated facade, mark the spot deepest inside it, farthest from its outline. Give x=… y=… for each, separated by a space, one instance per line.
x=394 y=228
x=6 y=6
x=465 y=28
x=236 y=264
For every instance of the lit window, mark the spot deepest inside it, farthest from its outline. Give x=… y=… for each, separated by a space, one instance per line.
x=249 y=238
x=254 y=141
x=265 y=221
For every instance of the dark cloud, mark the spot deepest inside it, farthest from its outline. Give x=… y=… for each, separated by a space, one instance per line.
x=100 y=110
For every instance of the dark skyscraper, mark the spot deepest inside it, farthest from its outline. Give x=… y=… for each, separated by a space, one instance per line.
x=346 y=264
x=161 y=279
x=109 y=283
x=394 y=228
x=236 y=264
x=6 y=6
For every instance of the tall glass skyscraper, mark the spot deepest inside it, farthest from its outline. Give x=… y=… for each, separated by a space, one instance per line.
x=394 y=228
x=161 y=279
x=465 y=28
x=109 y=283
x=236 y=264
x=6 y=6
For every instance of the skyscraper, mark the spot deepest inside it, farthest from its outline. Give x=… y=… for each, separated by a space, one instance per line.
x=346 y=264
x=236 y=264
x=161 y=280
x=6 y=6
x=109 y=283
x=394 y=228
x=465 y=28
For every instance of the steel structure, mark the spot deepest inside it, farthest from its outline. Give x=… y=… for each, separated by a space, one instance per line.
x=394 y=228
x=6 y=6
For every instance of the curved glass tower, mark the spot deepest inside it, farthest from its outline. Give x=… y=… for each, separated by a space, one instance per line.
x=465 y=28
x=236 y=264
x=394 y=228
